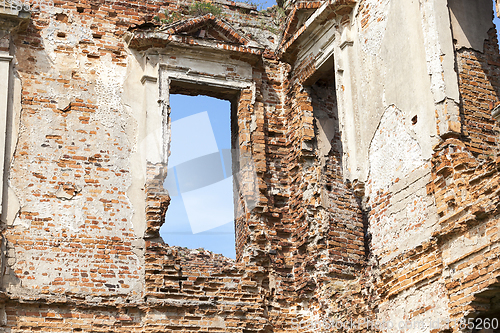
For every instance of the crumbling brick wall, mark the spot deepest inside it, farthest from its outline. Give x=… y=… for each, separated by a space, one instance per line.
x=368 y=205
x=479 y=90
x=465 y=185
x=72 y=66
x=76 y=236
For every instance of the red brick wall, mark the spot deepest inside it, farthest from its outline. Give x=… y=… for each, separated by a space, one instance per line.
x=479 y=84
x=71 y=148
x=302 y=252
x=466 y=191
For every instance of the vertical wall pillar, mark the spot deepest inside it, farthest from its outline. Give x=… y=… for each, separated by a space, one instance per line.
x=5 y=60
x=156 y=146
x=154 y=120
x=12 y=20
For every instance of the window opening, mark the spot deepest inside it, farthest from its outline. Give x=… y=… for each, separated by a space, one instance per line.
x=201 y=211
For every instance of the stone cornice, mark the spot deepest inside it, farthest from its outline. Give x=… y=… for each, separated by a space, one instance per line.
x=12 y=19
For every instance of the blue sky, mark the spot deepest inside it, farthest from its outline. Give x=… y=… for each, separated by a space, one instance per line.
x=180 y=223
x=201 y=212
x=496 y=20
x=263 y=4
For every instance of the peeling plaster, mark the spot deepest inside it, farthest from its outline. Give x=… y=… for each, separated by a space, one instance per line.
x=393 y=151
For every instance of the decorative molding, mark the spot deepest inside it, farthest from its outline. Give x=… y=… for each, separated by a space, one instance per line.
x=4 y=57
x=13 y=20
x=346 y=43
x=184 y=74
x=148 y=78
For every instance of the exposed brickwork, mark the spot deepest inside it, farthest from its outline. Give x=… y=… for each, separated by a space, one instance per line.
x=157 y=200
x=85 y=182
x=466 y=191
x=218 y=26
x=197 y=290
x=479 y=90
x=414 y=237
x=71 y=318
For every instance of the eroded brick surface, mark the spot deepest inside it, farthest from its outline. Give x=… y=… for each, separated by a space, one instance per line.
x=376 y=197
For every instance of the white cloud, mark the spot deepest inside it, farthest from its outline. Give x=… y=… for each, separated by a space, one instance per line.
x=192 y=137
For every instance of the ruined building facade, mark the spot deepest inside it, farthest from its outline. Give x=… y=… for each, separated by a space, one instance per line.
x=370 y=125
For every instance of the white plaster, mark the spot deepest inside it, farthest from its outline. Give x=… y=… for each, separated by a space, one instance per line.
x=391 y=71
x=433 y=50
x=445 y=39
x=397 y=167
x=70 y=215
x=206 y=64
x=109 y=80
x=134 y=104
x=406 y=81
x=461 y=247
x=4 y=97
x=181 y=73
x=432 y=297
x=152 y=144
x=372 y=35
x=393 y=151
x=319 y=43
x=326 y=131
x=440 y=64
x=470 y=28
x=348 y=115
